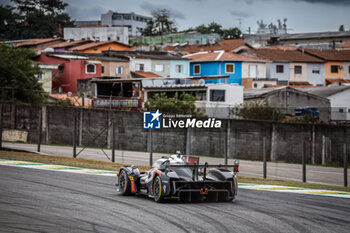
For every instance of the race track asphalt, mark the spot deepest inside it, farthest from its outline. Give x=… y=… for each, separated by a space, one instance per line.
x=34 y=200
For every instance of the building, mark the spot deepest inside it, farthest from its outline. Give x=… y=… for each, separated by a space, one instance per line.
x=214 y=100
x=176 y=39
x=338 y=97
x=219 y=63
x=99 y=47
x=290 y=65
x=109 y=92
x=70 y=69
x=61 y=47
x=112 y=66
x=134 y=23
x=313 y=40
x=100 y=33
x=344 y=46
x=159 y=63
x=337 y=63
x=47 y=75
x=287 y=99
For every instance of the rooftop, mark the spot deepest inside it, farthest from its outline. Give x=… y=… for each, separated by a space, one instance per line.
x=284 y=55
x=145 y=55
x=329 y=55
x=96 y=44
x=220 y=56
x=326 y=91
x=37 y=42
x=344 y=45
x=227 y=45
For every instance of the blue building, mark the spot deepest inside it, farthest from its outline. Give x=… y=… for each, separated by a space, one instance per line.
x=218 y=63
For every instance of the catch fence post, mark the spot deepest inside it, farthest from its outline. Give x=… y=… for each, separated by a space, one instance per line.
x=150 y=148
x=74 y=136
x=345 y=167
x=304 y=161
x=113 y=142
x=40 y=128
x=264 y=157
x=1 y=123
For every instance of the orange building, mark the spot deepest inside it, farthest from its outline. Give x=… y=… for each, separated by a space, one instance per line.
x=98 y=47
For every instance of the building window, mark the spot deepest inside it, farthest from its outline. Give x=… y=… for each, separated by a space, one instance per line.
x=229 y=68
x=140 y=67
x=197 y=69
x=60 y=69
x=334 y=69
x=279 y=69
x=119 y=70
x=159 y=68
x=297 y=70
x=349 y=69
x=217 y=95
x=316 y=70
x=179 y=68
x=102 y=69
x=90 y=69
x=255 y=85
x=341 y=110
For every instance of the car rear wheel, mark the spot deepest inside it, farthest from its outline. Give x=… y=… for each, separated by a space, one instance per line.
x=124 y=183
x=158 y=190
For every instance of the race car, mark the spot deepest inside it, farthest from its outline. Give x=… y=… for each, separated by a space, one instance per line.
x=182 y=178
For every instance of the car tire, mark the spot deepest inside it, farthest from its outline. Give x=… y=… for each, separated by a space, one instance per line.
x=124 y=183
x=158 y=190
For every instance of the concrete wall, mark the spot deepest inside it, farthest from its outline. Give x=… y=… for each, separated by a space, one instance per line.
x=284 y=141
x=110 y=69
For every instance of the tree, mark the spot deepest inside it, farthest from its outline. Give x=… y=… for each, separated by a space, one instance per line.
x=258 y=111
x=35 y=19
x=8 y=23
x=231 y=33
x=183 y=104
x=161 y=24
x=341 y=28
x=18 y=76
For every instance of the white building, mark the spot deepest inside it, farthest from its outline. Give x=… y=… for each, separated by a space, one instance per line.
x=338 y=96
x=119 y=34
x=134 y=22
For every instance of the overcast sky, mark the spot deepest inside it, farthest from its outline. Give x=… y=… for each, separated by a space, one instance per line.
x=302 y=15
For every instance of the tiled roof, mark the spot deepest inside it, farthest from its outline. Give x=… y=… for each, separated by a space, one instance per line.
x=329 y=55
x=284 y=55
x=69 y=43
x=143 y=74
x=146 y=55
x=95 y=44
x=283 y=47
x=220 y=56
x=344 y=45
x=37 y=42
x=227 y=45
